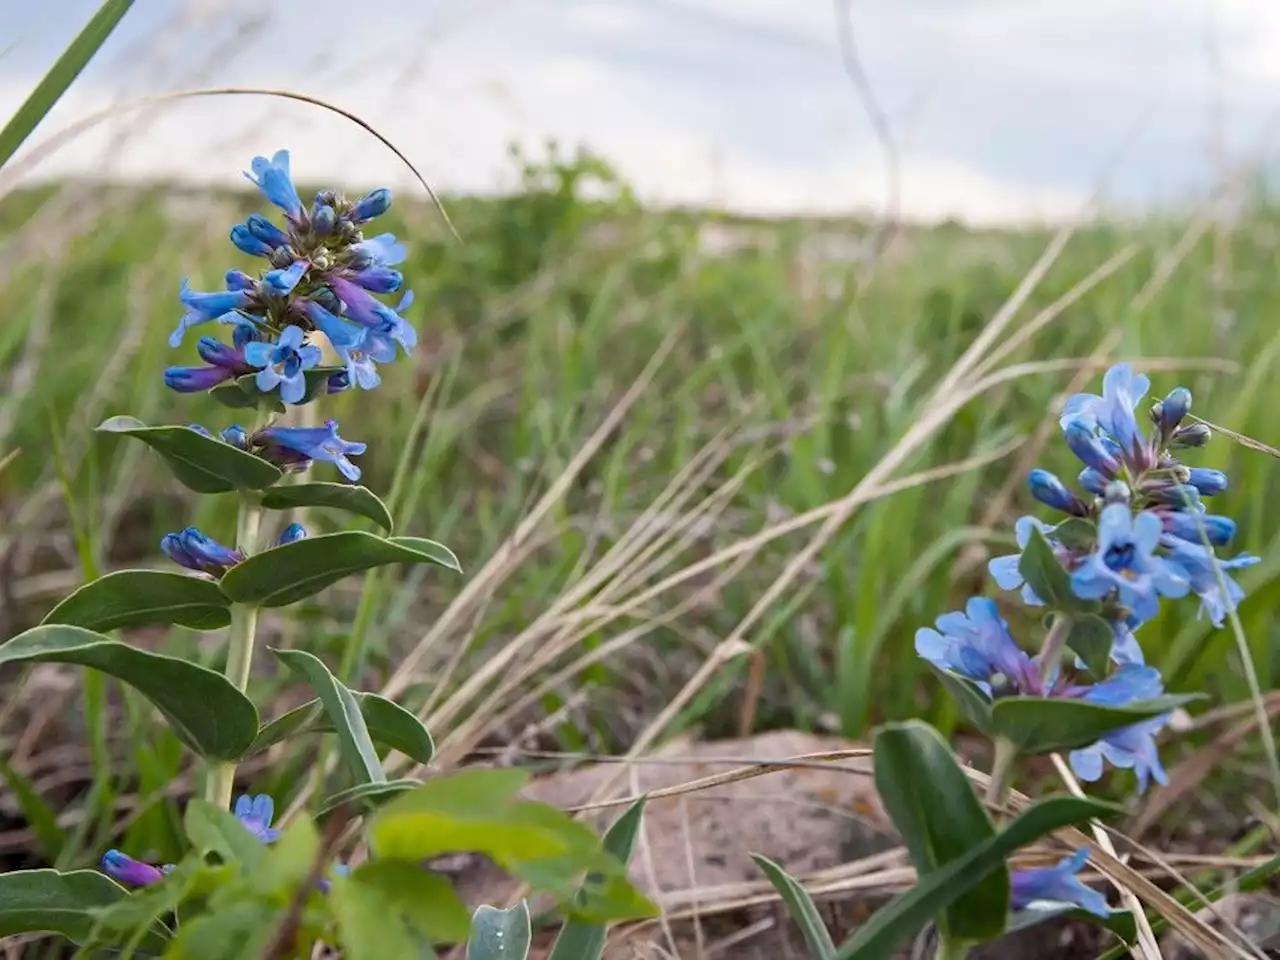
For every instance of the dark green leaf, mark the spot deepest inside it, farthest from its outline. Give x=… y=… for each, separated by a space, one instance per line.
x=132 y=598
x=242 y=393
x=1052 y=584
x=214 y=830
x=46 y=901
x=295 y=571
x=60 y=76
x=1121 y=922
x=1091 y=639
x=1050 y=725
x=900 y=919
x=801 y=907
x=41 y=817
x=974 y=704
x=340 y=496
x=1076 y=533
x=390 y=725
x=390 y=909
x=204 y=708
x=204 y=465
x=932 y=804
x=342 y=711
x=237 y=931
x=499 y=934
x=367 y=795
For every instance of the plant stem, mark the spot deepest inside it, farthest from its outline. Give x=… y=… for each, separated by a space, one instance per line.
x=951 y=949
x=220 y=783
x=1055 y=642
x=1001 y=771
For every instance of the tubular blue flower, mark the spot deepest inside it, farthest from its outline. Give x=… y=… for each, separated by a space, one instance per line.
x=1210 y=483
x=192 y=549
x=204 y=307
x=1173 y=409
x=303 y=444
x=1093 y=481
x=273 y=179
x=1051 y=491
x=377 y=316
x=131 y=872
x=195 y=379
x=282 y=282
x=256 y=813
x=1125 y=561
x=235 y=436
x=1056 y=884
x=282 y=364
x=379 y=279
x=1004 y=570
x=1132 y=747
x=976 y=644
x=239 y=280
x=266 y=231
x=1113 y=412
x=353 y=344
x=214 y=351
x=1197 y=527
x=380 y=251
x=171 y=546
x=1085 y=444
x=373 y=204
x=291 y=533
x=246 y=241
x=1219 y=594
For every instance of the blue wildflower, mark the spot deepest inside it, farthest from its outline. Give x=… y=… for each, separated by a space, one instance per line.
x=1173 y=409
x=282 y=364
x=1132 y=747
x=1210 y=483
x=373 y=204
x=380 y=251
x=1052 y=492
x=239 y=280
x=194 y=550
x=282 y=282
x=1056 y=884
x=214 y=351
x=976 y=644
x=1208 y=576
x=1125 y=561
x=1004 y=570
x=266 y=231
x=1113 y=412
x=1093 y=481
x=1198 y=527
x=235 y=436
x=273 y=179
x=298 y=446
x=1091 y=450
x=353 y=344
x=293 y=532
x=256 y=813
x=131 y=872
x=195 y=379
x=247 y=242
x=379 y=279
x=204 y=307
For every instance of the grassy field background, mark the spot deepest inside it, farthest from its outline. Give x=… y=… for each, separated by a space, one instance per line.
x=631 y=425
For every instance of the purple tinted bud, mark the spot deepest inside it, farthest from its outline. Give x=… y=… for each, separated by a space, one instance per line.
x=133 y=873
x=1092 y=481
x=172 y=547
x=195 y=379
x=246 y=241
x=1085 y=445
x=379 y=279
x=239 y=280
x=235 y=436
x=371 y=205
x=1192 y=435
x=294 y=531
x=338 y=382
x=1181 y=496
x=312 y=443
x=244 y=334
x=1050 y=491
x=1174 y=408
x=323 y=219
x=1210 y=483
x=1219 y=531
x=208 y=554
x=214 y=351
x=264 y=230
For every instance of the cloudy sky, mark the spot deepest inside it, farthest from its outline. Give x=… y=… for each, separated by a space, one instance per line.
x=1001 y=109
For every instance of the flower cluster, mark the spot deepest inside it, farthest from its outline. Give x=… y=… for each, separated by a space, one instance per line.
x=1137 y=533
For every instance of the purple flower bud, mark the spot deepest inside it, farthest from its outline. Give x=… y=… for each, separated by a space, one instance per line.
x=194 y=550
x=195 y=379
x=1092 y=481
x=1219 y=531
x=294 y=531
x=1086 y=445
x=243 y=335
x=1180 y=496
x=235 y=436
x=1050 y=491
x=371 y=205
x=1210 y=483
x=1174 y=408
x=172 y=547
x=246 y=241
x=214 y=351
x=338 y=382
x=1192 y=435
x=379 y=279
x=129 y=871
x=264 y=230
x=323 y=219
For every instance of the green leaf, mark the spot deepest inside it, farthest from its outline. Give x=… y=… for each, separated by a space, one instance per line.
x=1076 y=533
x=500 y=934
x=340 y=496
x=295 y=571
x=390 y=725
x=801 y=907
x=202 y=464
x=214 y=830
x=205 y=710
x=1050 y=725
x=288 y=861
x=235 y=932
x=50 y=837
x=974 y=704
x=1091 y=639
x=368 y=795
x=60 y=76
x=904 y=915
x=932 y=804
x=390 y=909
x=585 y=941
x=132 y=598
x=46 y=901
x=242 y=393
x=343 y=712
x=1052 y=584
x=1120 y=922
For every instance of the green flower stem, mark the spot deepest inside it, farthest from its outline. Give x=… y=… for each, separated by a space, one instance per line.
x=952 y=949
x=1055 y=641
x=1001 y=771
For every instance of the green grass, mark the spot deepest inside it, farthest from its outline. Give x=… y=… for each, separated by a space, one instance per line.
x=777 y=394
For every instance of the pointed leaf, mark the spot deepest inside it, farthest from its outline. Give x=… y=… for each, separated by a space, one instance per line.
x=343 y=713
x=202 y=464
x=214 y=830
x=46 y=901
x=43 y=820
x=1119 y=922
x=390 y=725
x=340 y=496
x=205 y=710
x=801 y=907
x=132 y=598
x=242 y=393
x=1045 y=575
x=974 y=704
x=904 y=915
x=368 y=795
x=939 y=822
x=500 y=934
x=295 y=571
x=1091 y=639
x=389 y=909
x=1050 y=725
x=1076 y=533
